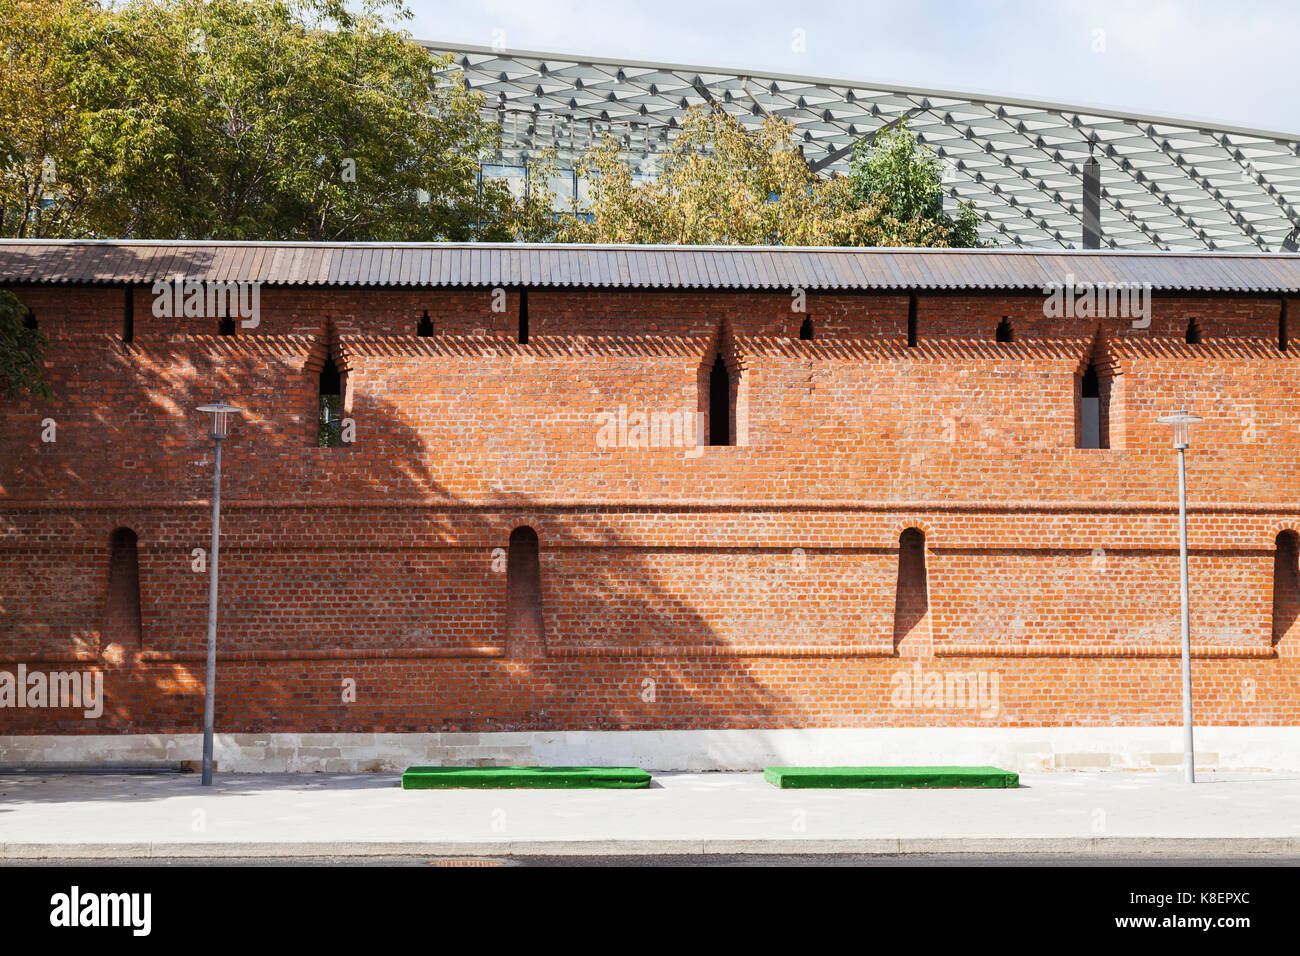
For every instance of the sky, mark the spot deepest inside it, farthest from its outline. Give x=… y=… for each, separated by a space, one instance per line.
x=1230 y=63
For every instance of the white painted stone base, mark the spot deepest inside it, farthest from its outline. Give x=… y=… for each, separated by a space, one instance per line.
x=1012 y=748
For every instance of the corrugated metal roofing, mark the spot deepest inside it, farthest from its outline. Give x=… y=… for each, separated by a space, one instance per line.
x=398 y=265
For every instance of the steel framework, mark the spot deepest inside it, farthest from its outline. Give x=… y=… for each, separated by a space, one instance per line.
x=1165 y=183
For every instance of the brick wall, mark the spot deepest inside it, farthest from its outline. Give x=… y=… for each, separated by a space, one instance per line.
x=757 y=585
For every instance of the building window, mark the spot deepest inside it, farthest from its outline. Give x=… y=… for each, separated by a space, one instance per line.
x=424 y=328
x=806 y=330
x=525 y=631
x=719 y=403
x=911 y=595
x=1099 y=398
x=722 y=392
x=1193 y=335
x=29 y=320
x=128 y=315
x=911 y=321
x=1090 y=409
x=1283 y=339
x=523 y=317
x=122 y=610
x=1286 y=584
x=1004 y=333
x=329 y=433
x=226 y=326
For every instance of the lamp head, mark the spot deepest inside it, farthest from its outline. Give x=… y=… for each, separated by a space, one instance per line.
x=1181 y=421
x=220 y=412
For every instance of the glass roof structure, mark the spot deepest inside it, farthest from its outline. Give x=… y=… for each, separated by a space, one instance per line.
x=1165 y=183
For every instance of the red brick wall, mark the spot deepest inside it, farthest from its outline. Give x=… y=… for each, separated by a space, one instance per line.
x=750 y=586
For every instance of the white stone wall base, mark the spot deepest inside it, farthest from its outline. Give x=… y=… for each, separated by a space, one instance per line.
x=1012 y=748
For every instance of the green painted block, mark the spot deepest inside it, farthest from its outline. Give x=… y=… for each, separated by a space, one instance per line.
x=878 y=778
x=571 y=778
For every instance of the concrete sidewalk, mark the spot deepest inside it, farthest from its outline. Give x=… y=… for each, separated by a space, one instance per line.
x=71 y=816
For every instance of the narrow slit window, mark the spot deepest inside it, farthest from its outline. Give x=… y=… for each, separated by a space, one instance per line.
x=329 y=433
x=719 y=403
x=1283 y=338
x=128 y=315
x=806 y=330
x=1004 y=333
x=122 y=610
x=1286 y=584
x=911 y=321
x=523 y=317
x=226 y=326
x=1193 y=335
x=911 y=597
x=525 y=629
x=1090 y=409
x=29 y=320
x=424 y=328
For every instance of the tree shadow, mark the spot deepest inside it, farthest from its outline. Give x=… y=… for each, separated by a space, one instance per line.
x=361 y=590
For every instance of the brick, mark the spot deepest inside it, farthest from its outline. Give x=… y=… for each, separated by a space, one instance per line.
x=753 y=586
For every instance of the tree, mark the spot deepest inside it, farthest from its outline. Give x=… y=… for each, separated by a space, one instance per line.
x=42 y=192
x=22 y=351
x=718 y=183
x=276 y=119
x=903 y=180
x=239 y=119
x=527 y=218
x=722 y=183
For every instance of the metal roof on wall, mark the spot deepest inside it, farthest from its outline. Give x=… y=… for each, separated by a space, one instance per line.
x=431 y=265
x=1165 y=183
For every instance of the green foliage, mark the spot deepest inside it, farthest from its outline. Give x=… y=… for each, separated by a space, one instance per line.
x=329 y=433
x=721 y=183
x=904 y=180
x=275 y=119
x=42 y=190
x=22 y=352
x=238 y=119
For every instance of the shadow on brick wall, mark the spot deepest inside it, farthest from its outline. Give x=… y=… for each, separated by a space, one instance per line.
x=377 y=604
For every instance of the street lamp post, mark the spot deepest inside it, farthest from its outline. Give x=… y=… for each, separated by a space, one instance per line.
x=1182 y=422
x=220 y=413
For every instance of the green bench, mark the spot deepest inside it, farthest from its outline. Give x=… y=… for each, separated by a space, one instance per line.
x=494 y=778
x=878 y=778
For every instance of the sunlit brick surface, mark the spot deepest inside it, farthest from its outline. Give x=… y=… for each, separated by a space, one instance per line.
x=758 y=585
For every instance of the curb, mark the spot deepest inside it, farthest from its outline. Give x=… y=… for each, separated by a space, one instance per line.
x=1090 y=846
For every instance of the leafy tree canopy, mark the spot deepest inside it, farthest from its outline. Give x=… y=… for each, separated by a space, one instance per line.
x=238 y=119
x=903 y=181
x=722 y=183
x=22 y=351
x=718 y=183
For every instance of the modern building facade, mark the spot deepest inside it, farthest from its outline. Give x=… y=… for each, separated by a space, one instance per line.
x=1162 y=183
x=683 y=506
